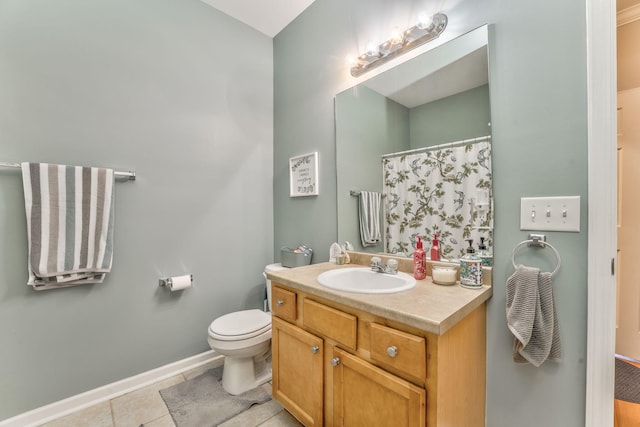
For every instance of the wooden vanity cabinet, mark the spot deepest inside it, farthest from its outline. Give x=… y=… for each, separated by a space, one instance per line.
x=297 y=359
x=335 y=365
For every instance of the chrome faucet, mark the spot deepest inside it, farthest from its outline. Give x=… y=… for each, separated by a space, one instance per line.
x=379 y=267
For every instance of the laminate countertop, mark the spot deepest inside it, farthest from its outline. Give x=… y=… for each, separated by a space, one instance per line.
x=429 y=307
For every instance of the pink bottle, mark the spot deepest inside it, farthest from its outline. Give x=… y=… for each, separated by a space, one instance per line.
x=435 y=249
x=419 y=261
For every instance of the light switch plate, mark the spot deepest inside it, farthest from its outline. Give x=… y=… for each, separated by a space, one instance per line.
x=550 y=213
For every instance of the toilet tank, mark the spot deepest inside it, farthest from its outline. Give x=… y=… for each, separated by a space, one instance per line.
x=271 y=268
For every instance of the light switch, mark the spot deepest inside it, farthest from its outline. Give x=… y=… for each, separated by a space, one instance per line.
x=550 y=213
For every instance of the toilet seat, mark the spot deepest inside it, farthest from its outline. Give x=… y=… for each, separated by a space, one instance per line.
x=240 y=325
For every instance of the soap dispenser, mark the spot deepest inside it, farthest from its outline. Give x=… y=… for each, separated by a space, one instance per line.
x=484 y=254
x=435 y=249
x=471 y=268
x=419 y=261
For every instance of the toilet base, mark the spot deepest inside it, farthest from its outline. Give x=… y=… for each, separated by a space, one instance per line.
x=241 y=374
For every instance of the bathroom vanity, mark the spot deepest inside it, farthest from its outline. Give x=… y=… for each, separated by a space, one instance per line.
x=413 y=358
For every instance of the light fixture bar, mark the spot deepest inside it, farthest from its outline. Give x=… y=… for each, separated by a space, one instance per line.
x=413 y=37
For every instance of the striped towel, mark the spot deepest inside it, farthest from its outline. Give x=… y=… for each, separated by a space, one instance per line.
x=369 y=214
x=69 y=224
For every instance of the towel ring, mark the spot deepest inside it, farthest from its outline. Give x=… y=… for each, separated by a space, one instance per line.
x=540 y=243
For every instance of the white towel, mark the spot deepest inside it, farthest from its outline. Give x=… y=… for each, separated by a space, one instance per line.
x=69 y=224
x=369 y=213
x=531 y=316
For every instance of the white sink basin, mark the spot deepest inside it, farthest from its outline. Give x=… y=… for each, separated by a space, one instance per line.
x=365 y=281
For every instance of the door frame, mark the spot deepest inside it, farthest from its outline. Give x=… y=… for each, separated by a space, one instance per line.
x=602 y=205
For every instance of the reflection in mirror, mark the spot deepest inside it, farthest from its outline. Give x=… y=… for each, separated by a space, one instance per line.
x=418 y=107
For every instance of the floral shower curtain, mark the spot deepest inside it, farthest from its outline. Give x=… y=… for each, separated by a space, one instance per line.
x=437 y=192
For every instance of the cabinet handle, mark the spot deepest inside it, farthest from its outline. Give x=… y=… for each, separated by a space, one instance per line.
x=392 y=351
x=280 y=303
x=315 y=349
x=335 y=361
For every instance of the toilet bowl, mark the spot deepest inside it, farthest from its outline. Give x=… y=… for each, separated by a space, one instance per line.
x=244 y=338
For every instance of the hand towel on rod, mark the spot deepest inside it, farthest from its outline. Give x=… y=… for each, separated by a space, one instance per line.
x=532 y=317
x=70 y=213
x=369 y=216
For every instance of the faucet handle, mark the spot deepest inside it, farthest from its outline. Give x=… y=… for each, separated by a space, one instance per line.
x=392 y=266
x=375 y=261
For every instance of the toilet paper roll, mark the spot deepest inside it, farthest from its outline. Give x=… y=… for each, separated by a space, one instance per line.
x=178 y=283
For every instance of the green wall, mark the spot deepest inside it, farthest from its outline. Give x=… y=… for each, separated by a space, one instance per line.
x=538 y=97
x=160 y=88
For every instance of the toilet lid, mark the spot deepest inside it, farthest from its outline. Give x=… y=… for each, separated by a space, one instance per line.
x=240 y=325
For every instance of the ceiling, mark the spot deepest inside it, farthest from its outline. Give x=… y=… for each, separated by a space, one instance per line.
x=271 y=16
x=267 y=16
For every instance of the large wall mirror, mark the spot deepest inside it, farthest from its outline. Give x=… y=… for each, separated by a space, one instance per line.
x=422 y=125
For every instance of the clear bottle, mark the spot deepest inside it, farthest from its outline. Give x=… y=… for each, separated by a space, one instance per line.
x=419 y=261
x=484 y=254
x=435 y=249
x=471 y=269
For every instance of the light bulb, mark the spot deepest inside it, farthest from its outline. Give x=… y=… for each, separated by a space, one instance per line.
x=396 y=35
x=372 y=49
x=425 y=21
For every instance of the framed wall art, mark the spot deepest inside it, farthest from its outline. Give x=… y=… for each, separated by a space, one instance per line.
x=303 y=175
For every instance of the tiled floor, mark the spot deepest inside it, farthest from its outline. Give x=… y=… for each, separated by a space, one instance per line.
x=146 y=408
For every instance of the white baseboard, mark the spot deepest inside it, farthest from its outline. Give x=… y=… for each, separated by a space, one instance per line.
x=67 y=406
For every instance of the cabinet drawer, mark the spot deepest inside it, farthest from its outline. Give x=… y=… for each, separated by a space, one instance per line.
x=334 y=324
x=283 y=303
x=400 y=351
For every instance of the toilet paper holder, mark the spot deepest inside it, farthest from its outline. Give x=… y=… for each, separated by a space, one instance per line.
x=168 y=281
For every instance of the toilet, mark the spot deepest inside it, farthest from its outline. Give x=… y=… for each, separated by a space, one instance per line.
x=244 y=338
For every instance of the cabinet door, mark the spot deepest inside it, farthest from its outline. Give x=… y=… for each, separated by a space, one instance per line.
x=364 y=395
x=297 y=372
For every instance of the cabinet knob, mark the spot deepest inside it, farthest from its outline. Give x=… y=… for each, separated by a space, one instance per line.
x=392 y=351
x=335 y=361
x=315 y=349
x=280 y=303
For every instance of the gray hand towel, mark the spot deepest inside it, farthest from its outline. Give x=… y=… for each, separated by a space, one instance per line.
x=531 y=316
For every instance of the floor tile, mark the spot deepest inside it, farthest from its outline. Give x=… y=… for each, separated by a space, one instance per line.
x=95 y=416
x=282 y=419
x=142 y=406
x=165 y=421
x=255 y=415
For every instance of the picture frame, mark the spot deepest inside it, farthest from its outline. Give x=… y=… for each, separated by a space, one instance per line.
x=303 y=175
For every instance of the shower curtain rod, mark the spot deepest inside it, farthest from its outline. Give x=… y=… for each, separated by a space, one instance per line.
x=131 y=176
x=438 y=147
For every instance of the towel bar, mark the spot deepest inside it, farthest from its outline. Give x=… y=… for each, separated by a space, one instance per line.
x=356 y=193
x=131 y=176
x=536 y=240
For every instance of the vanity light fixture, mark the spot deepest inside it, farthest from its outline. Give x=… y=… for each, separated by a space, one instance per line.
x=428 y=28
